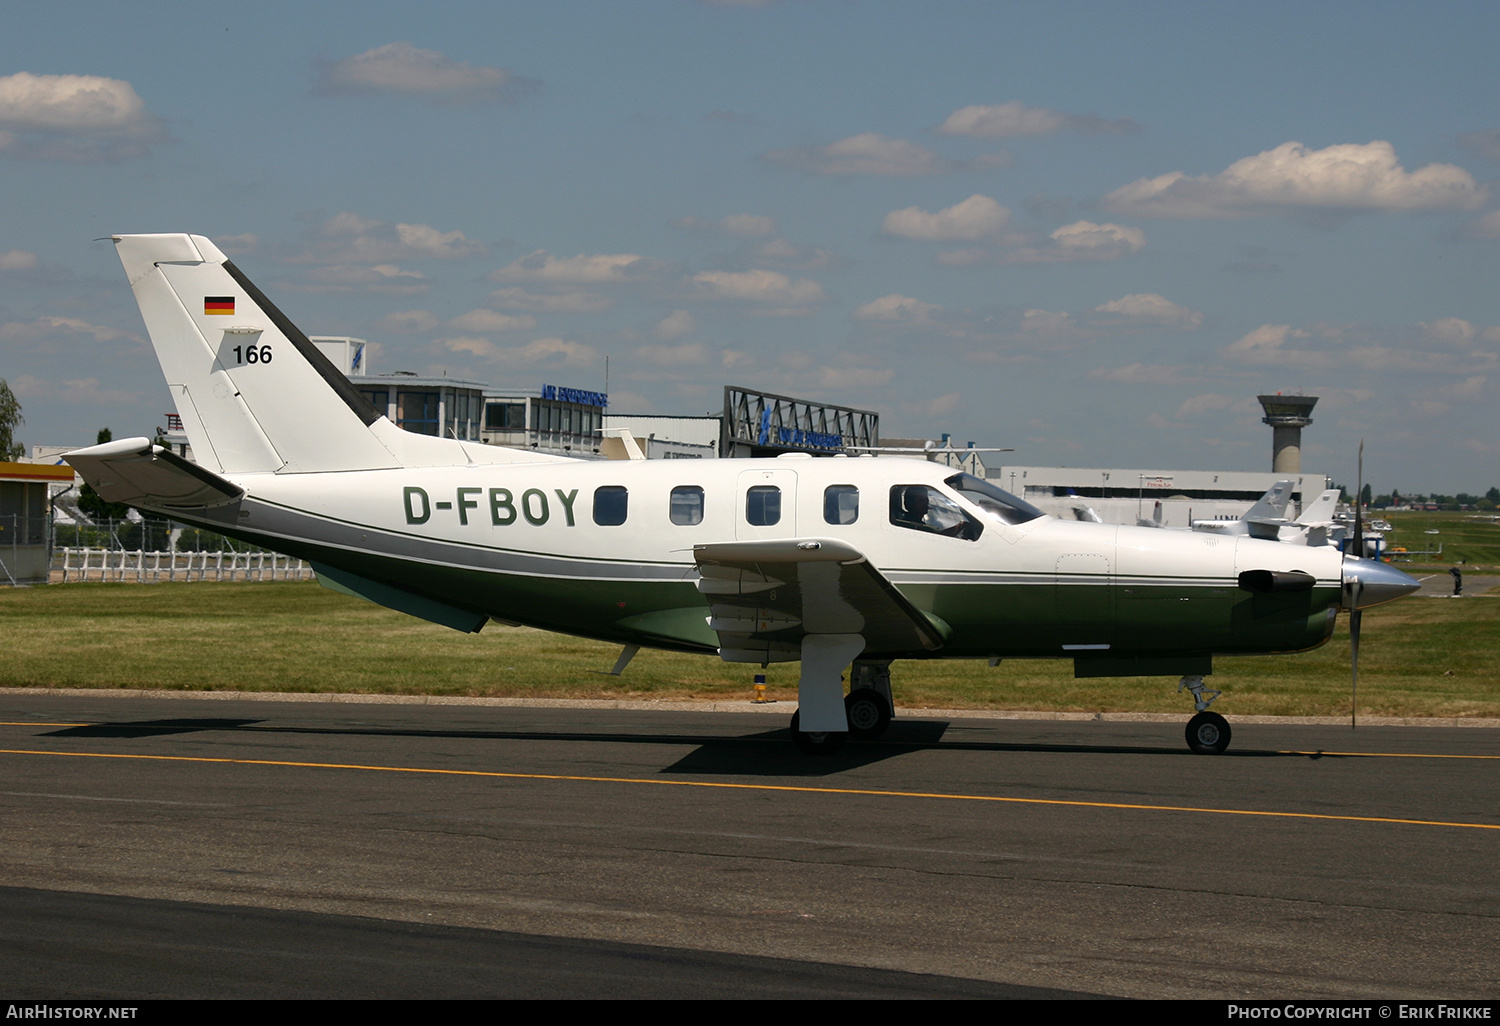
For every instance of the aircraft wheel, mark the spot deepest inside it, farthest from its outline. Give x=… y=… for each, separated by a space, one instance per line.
x=1208 y=733
x=868 y=713
x=818 y=743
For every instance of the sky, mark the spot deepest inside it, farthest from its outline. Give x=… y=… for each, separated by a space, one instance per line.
x=1093 y=232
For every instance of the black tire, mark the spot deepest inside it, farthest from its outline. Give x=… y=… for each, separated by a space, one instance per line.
x=818 y=743
x=868 y=712
x=1208 y=733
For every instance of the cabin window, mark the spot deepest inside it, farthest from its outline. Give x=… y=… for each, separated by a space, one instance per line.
x=997 y=502
x=763 y=506
x=840 y=504
x=610 y=504
x=921 y=508
x=687 y=505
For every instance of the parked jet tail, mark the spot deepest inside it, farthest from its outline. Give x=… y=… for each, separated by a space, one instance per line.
x=255 y=395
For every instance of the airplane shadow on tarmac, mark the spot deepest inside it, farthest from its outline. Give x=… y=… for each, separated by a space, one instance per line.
x=762 y=753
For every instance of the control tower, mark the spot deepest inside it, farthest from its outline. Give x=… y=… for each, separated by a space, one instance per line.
x=1287 y=415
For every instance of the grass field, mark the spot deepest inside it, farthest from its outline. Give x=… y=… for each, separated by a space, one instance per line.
x=1463 y=538
x=1419 y=657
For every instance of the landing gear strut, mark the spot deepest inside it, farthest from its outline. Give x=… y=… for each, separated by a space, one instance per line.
x=1208 y=733
x=866 y=711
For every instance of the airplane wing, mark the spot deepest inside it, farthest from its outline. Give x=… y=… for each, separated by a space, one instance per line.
x=138 y=473
x=765 y=597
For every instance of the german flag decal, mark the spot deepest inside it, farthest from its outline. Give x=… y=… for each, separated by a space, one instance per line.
x=218 y=304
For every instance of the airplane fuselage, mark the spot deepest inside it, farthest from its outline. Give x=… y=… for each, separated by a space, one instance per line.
x=605 y=550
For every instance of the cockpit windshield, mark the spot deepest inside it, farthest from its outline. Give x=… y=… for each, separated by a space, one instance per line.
x=997 y=502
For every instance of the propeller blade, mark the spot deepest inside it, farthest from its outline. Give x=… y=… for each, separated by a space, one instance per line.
x=1354 y=619
x=1359 y=520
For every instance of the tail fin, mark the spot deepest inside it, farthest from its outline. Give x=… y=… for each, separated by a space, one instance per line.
x=1272 y=505
x=1319 y=512
x=253 y=393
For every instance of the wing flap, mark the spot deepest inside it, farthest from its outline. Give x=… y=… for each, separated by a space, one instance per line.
x=765 y=596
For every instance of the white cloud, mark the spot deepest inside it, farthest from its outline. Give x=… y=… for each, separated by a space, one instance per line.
x=44 y=329
x=404 y=69
x=236 y=245
x=1448 y=347
x=1449 y=329
x=675 y=325
x=1470 y=388
x=1046 y=323
x=90 y=392
x=1488 y=226
x=753 y=225
x=898 y=309
x=1207 y=403
x=385 y=279
x=350 y=238
x=1143 y=374
x=1148 y=308
x=408 y=322
x=1264 y=344
x=1089 y=241
x=791 y=255
x=18 y=260
x=847 y=379
x=1348 y=177
x=1081 y=240
x=1015 y=118
x=489 y=320
x=549 y=302
x=584 y=269
x=549 y=352
x=938 y=406
x=773 y=288
x=673 y=356
x=975 y=218
x=746 y=225
x=866 y=154
x=74 y=117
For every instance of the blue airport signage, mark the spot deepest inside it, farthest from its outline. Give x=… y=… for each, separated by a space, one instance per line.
x=575 y=395
x=796 y=437
x=809 y=439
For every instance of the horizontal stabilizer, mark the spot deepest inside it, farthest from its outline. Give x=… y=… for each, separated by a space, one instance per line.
x=138 y=473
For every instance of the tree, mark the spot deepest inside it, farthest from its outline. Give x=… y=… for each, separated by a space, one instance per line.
x=10 y=419
x=1364 y=496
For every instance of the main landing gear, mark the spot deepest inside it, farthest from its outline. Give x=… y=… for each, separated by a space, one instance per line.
x=1208 y=733
x=867 y=709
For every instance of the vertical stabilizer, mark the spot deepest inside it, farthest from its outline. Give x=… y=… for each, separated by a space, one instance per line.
x=253 y=393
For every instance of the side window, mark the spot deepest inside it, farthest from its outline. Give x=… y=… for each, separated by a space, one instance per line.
x=687 y=505
x=763 y=506
x=610 y=503
x=920 y=508
x=840 y=504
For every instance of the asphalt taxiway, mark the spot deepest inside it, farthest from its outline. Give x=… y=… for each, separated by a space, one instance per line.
x=251 y=848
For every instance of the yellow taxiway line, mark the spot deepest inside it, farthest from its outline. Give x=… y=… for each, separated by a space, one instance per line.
x=797 y=788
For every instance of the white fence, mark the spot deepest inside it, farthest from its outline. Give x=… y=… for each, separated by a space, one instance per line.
x=89 y=564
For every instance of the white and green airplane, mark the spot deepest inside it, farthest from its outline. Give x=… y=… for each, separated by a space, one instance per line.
x=833 y=561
